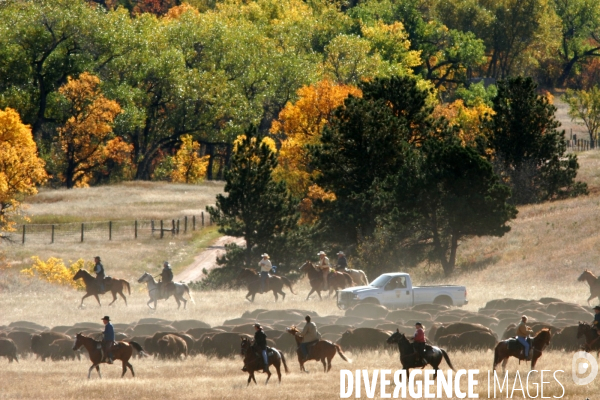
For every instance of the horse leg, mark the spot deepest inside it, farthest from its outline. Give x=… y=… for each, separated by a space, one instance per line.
x=131 y=368
x=504 y=362
x=124 y=365
x=282 y=294
x=323 y=361
x=124 y=298
x=312 y=290
x=98 y=300
x=148 y=303
x=114 y=298
x=86 y=295
x=275 y=294
x=250 y=378
x=268 y=376
x=184 y=302
x=319 y=293
x=90 y=371
x=178 y=302
x=592 y=295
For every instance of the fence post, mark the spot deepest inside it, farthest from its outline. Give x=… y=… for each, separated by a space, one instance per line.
x=203 y=219
x=193 y=222
x=172 y=227
x=23 y=242
x=52 y=234
x=82 y=232
x=135 y=229
x=178 y=226
x=185 y=224
x=161 y=229
x=109 y=230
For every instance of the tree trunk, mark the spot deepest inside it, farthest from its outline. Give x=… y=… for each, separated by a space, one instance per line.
x=566 y=72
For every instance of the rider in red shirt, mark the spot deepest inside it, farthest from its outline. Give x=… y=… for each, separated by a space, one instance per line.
x=419 y=343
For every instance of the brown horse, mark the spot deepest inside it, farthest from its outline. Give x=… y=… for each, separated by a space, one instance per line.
x=274 y=283
x=592 y=340
x=591 y=280
x=323 y=350
x=336 y=280
x=254 y=362
x=120 y=351
x=511 y=347
x=91 y=286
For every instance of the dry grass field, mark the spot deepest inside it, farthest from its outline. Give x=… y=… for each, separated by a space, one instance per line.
x=547 y=249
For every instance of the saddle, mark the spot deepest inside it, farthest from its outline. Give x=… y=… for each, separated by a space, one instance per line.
x=514 y=344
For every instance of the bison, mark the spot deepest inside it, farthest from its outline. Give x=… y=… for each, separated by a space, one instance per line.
x=361 y=339
x=471 y=340
x=172 y=347
x=8 y=349
x=40 y=343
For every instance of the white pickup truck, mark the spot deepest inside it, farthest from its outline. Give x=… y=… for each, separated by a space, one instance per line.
x=395 y=290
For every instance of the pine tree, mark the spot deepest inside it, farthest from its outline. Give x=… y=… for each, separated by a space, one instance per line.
x=255 y=207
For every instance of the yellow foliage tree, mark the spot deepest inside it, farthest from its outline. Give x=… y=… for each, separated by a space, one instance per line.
x=20 y=167
x=83 y=137
x=54 y=270
x=188 y=166
x=300 y=124
x=469 y=120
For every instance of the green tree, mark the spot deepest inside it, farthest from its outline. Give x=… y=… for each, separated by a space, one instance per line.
x=580 y=39
x=452 y=193
x=530 y=153
x=255 y=207
x=585 y=105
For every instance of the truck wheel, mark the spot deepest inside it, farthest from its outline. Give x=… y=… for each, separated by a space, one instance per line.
x=443 y=300
x=370 y=300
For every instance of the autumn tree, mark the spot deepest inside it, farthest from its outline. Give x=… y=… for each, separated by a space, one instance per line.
x=188 y=165
x=82 y=139
x=584 y=105
x=21 y=169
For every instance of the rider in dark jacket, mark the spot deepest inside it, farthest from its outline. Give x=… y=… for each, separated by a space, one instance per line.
x=342 y=263
x=260 y=343
x=108 y=339
x=99 y=270
x=166 y=283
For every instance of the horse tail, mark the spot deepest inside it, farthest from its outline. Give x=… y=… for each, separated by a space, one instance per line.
x=126 y=284
x=139 y=348
x=447 y=358
x=349 y=281
x=287 y=371
x=187 y=290
x=288 y=283
x=341 y=353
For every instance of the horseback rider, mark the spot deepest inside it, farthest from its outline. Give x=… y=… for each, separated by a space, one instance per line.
x=265 y=267
x=309 y=336
x=108 y=340
x=325 y=267
x=260 y=344
x=166 y=283
x=342 y=263
x=99 y=271
x=419 y=342
x=523 y=332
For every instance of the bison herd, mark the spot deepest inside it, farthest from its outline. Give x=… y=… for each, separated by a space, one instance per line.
x=364 y=327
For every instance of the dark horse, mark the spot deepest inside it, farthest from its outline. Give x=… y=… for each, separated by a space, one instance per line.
x=592 y=340
x=91 y=286
x=120 y=351
x=323 y=351
x=408 y=357
x=255 y=362
x=336 y=280
x=274 y=283
x=511 y=347
x=594 y=283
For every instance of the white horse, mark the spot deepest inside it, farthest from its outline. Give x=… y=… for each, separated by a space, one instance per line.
x=155 y=295
x=358 y=276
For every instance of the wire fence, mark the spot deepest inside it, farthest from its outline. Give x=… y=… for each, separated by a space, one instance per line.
x=107 y=230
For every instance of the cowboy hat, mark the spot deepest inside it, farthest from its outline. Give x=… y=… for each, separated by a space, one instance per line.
x=596 y=308
x=321 y=253
x=265 y=255
x=257 y=325
x=106 y=317
x=340 y=253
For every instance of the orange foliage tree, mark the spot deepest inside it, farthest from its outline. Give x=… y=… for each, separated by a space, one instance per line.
x=83 y=138
x=469 y=120
x=299 y=125
x=21 y=169
x=188 y=166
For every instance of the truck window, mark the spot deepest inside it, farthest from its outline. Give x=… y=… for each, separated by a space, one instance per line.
x=380 y=282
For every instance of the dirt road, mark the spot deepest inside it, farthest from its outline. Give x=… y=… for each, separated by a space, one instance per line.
x=206 y=260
